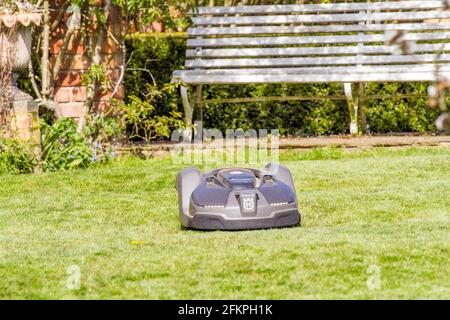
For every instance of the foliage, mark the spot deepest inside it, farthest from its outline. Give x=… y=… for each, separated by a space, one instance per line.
x=97 y=74
x=398 y=114
x=16 y=157
x=64 y=148
x=140 y=119
x=144 y=12
x=89 y=19
x=103 y=130
x=154 y=58
x=11 y=6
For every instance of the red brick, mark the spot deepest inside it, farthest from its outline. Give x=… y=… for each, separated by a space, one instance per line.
x=78 y=94
x=70 y=94
x=121 y=93
x=71 y=110
x=158 y=26
x=82 y=62
x=73 y=78
x=114 y=74
x=102 y=106
x=76 y=46
x=106 y=96
x=68 y=79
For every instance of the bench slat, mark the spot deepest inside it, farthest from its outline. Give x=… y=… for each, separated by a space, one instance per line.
x=329 y=7
x=267 y=41
x=319 y=70
x=257 y=30
x=323 y=18
x=302 y=51
x=311 y=78
x=349 y=60
x=229 y=41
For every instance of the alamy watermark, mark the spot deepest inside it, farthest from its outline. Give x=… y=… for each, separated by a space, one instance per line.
x=374 y=280
x=233 y=147
x=73 y=281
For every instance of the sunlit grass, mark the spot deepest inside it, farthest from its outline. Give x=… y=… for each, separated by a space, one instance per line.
x=119 y=224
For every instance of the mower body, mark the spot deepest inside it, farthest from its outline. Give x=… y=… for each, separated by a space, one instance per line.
x=237 y=198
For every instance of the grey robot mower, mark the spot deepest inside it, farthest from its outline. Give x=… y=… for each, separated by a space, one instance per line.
x=237 y=198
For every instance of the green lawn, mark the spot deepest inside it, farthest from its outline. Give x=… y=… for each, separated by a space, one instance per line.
x=362 y=210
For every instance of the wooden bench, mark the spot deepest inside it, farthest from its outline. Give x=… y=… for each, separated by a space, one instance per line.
x=349 y=43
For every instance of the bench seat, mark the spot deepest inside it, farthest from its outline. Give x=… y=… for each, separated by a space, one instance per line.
x=403 y=73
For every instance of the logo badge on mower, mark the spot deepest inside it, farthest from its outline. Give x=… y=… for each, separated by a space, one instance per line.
x=248 y=203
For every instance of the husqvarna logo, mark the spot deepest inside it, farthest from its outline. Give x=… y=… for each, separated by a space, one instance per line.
x=249 y=203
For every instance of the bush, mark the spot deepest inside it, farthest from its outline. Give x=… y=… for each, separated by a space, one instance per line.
x=398 y=114
x=140 y=117
x=16 y=157
x=103 y=130
x=153 y=59
x=299 y=118
x=64 y=148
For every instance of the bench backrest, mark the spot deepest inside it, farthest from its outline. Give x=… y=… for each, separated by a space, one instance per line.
x=320 y=38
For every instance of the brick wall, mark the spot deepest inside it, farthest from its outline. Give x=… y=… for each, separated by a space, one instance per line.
x=70 y=93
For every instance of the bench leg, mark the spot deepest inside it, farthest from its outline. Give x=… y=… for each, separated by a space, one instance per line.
x=198 y=103
x=361 y=107
x=353 y=101
x=188 y=113
x=188 y=109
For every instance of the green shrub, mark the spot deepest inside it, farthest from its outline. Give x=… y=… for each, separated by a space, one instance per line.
x=151 y=62
x=155 y=58
x=64 y=148
x=103 y=130
x=399 y=114
x=140 y=118
x=16 y=157
x=290 y=117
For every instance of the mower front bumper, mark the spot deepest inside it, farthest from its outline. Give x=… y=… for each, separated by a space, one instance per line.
x=210 y=221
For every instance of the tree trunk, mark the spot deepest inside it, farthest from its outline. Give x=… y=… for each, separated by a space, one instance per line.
x=45 y=61
x=96 y=60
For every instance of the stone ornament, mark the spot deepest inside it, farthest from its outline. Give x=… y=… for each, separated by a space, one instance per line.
x=21 y=41
x=20 y=18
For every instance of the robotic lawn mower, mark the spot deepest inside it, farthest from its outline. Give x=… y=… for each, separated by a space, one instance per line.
x=237 y=198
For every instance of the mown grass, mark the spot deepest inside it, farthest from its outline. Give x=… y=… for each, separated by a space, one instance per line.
x=384 y=208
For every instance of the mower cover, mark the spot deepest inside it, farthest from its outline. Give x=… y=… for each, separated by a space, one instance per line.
x=237 y=198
